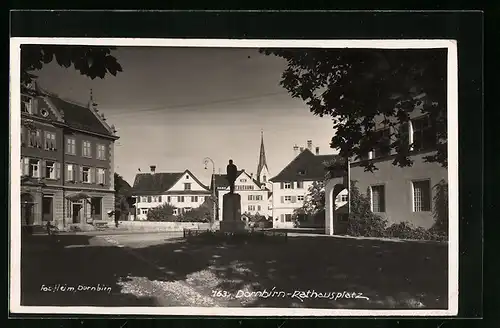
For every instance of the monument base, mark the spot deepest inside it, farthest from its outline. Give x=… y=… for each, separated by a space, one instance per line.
x=231 y=214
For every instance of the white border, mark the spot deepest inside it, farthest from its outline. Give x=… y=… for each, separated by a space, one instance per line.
x=15 y=124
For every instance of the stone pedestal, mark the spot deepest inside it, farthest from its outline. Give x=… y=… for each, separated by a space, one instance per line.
x=231 y=214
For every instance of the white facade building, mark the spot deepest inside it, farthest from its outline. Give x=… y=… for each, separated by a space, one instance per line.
x=180 y=189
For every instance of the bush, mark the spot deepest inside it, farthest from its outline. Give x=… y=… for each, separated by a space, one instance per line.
x=362 y=221
x=405 y=230
x=162 y=213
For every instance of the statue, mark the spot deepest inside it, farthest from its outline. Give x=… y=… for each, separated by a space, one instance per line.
x=231 y=175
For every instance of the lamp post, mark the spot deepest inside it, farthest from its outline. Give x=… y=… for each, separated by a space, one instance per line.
x=206 y=161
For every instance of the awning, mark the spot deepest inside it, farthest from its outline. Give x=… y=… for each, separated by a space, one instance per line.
x=78 y=196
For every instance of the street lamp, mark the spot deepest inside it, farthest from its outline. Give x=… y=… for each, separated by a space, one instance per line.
x=207 y=160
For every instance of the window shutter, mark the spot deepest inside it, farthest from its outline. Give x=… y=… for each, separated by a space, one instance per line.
x=294 y=199
x=92 y=175
x=282 y=185
x=58 y=170
x=80 y=171
x=26 y=166
x=159 y=199
x=282 y=199
x=282 y=217
x=41 y=169
x=292 y=184
x=66 y=173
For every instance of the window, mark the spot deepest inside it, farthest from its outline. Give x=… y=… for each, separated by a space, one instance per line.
x=23 y=135
x=187 y=209
x=301 y=172
x=96 y=203
x=258 y=208
x=70 y=172
x=288 y=217
x=34 y=168
x=180 y=199
x=86 y=174
x=169 y=199
x=47 y=208
x=344 y=198
x=187 y=186
x=300 y=198
x=50 y=170
x=159 y=199
x=287 y=185
x=424 y=134
x=378 y=198
x=35 y=139
x=101 y=152
x=194 y=199
x=239 y=187
x=71 y=146
x=175 y=211
x=264 y=178
x=421 y=196
x=50 y=140
x=187 y=177
x=254 y=197
x=86 y=149
x=243 y=180
x=251 y=207
x=144 y=211
x=300 y=184
x=383 y=147
x=101 y=176
x=149 y=199
x=288 y=198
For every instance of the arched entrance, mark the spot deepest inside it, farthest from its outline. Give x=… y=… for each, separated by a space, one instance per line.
x=332 y=188
x=27 y=213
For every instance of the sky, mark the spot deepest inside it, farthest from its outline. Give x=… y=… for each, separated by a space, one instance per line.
x=172 y=107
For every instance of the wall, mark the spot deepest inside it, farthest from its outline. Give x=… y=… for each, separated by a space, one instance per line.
x=162 y=226
x=79 y=160
x=187 y=178
x=173 y=201
x=398 y=188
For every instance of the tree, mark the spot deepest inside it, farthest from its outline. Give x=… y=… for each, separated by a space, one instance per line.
x=362 y=221
x=163 y=212
x=89 y=61
x=314 y=203
x=356 y=86
x=123 y=199
x=203 y=213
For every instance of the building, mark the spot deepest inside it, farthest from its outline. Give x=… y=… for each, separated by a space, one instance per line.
x=254 y=196
x=400 y=194
x=291 y=185
x=67 y=161
x=179 y=189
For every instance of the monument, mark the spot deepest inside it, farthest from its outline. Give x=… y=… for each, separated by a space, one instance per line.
x=231 y=204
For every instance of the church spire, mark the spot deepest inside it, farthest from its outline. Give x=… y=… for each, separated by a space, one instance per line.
x=262 y=157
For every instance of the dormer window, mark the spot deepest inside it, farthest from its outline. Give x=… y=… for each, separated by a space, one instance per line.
x=301 y=172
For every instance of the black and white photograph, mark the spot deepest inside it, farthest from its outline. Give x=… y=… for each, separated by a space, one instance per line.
x=234 y=177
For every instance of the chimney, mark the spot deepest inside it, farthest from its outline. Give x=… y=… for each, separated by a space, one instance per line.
x=301 y=149
x=309 y=144
x=153 y=169
x=295 y=150
x=317 y=150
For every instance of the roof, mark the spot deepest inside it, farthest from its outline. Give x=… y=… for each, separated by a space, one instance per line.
x=78 y=116
x=147 y=183
x=156 y=183
x=305 y=167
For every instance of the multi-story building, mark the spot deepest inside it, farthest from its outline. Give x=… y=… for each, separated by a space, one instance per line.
x=291 y=185
x=179 y=189
x=67 y=161
x=255 y=192
x=399 y=194
x=254 y=195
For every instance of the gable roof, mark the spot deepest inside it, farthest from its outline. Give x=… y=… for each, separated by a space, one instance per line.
x=78 y=116
x=157 y=183
x=305 y=167
x=221 y=180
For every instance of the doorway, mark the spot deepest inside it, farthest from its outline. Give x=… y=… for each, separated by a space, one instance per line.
x=27 y=209
x=47 y=208
x=76 y=212
x=96 y=208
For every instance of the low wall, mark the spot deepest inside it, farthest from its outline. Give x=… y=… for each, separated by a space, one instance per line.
x=162 y=226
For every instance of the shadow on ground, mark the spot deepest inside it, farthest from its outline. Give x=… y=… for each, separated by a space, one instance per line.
x=390 y=274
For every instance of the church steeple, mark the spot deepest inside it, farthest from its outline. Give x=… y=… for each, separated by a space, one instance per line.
x=262 y=160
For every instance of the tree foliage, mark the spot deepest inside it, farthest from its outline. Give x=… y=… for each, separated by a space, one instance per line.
x=203 y=213
x=123 y=197
x=164 y=212
x=356 y=87
x=362 y=221
x=314 y=202
x=88 y=60
x=441 y=208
